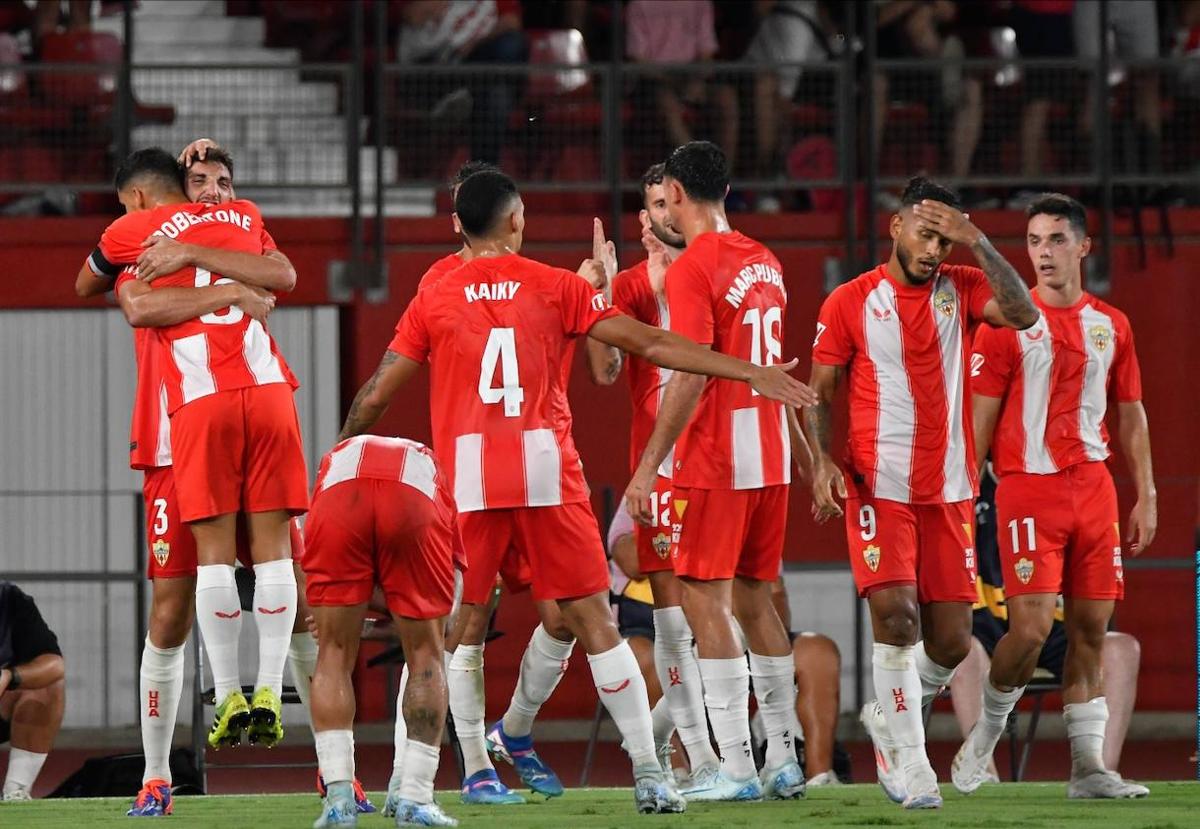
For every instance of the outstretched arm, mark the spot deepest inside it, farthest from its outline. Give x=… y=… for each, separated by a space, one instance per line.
x=1012 y=305
x=146 y=307
x=1135 y=442
x=373 y=398
x=272 y=270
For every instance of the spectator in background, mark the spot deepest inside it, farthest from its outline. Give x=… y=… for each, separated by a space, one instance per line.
x=818 y=696
x=470 y=32
x=1133 y=27
x=32 y=690
x=682 y=31
x=790 y=31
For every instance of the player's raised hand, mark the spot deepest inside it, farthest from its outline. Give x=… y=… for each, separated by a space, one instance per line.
x=196 y=151
x=943 y=219
x=1143 y=524
x=638 y=496
x=828 y=482
x=592 y=270
x=775 y=383
x=256 y=303
x=161 y=256
x=656 y=253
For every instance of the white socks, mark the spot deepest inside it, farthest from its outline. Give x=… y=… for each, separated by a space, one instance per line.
x=661 y=724
x=622 y=689
x=219 y=615
x=400 y=731
x=160 y=686
x=898 y=689
x=933 y=676
x=679 y=675
x=302 y=661
x=335 y=755
x=775 y=689
x=997 y=705
x=421 y=765
x=275 y=615
x=1086 y=722
x=465 y=681
x=542 y=667
x=23 y=769
x=727 y=697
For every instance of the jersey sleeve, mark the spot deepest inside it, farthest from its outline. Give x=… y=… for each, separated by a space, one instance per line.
x=1126 y=383
x=582 y=305
x=268 y=241
x=833 y=344
x=976 y=291
x=991 y=361
x=120 y=245
x=689 y=299
x=412 y=334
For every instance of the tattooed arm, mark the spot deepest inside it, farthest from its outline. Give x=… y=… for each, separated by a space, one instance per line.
x=373 y=398
x=1012 y=306
x=827 y=479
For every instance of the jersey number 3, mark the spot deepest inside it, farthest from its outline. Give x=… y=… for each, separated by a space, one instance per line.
x=501 y=348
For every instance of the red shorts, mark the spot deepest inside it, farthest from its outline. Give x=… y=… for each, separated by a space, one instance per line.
x=929 y=545
x=1060 y=533
x=654 y=543
x=367 y=531
x=556 y=549
x=722 y=533
x=239 y=451
x=171 y=544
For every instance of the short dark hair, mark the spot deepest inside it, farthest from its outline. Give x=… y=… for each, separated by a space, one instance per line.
x=469 y=169
x=1058 y=204
x=480 y=200
x=700 y=167
x=152 y=161
x=920 y=188
x=220 y=155
x=653 y=175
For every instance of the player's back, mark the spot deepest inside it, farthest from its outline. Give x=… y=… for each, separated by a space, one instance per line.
x=496 y=332
x=727 y=290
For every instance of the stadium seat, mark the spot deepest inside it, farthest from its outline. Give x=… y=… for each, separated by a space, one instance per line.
x=82 y=88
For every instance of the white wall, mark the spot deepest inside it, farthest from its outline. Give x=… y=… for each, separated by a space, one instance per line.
x=68 y=500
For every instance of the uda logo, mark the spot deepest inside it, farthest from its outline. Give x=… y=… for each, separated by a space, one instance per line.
x=1024 y=569
x=871 y=556
x=1101 y=336
x=944 y=302
x=162 y=551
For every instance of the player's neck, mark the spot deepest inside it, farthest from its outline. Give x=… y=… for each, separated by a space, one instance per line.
x=491 y=248
x=704 y=218
x=1061 y=297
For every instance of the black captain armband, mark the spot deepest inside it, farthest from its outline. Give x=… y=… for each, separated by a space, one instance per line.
x=100 y=266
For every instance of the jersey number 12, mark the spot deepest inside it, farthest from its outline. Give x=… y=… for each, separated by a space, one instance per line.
x=501 y=348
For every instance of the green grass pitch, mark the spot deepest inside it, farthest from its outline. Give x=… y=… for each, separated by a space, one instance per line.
x=1022 y=806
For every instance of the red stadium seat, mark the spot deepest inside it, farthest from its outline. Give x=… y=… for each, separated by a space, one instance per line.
x=81 y=88
x=13 y=85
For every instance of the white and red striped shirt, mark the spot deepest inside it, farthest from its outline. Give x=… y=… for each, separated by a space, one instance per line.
x=380 y=458
x=1056 y=378
x=497 y=333
x=905 y=348
x=726 y=290
x=633 y=295
x=221 y=351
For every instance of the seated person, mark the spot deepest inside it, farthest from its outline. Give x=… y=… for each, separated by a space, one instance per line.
x=818 y=698
x=1121 y=653
x=32 y=689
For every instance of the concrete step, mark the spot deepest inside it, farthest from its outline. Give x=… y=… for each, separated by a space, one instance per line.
x=399 y=202
x=238 y=131
x=180 y=8
x=181 y=31
x=300 y=100
x=308 y=164
x=211 y=55
x=153 y=81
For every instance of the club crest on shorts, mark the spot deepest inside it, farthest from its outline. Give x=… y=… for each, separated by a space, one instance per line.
x=162 y=551
x=1024 y=569
x=871 y=554
x=944 y=302
x=662 y=545
x=1101 y=336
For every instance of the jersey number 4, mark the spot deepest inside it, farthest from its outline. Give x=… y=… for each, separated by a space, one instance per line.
x=501 y=348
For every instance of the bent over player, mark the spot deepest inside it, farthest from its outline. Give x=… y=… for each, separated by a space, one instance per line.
x=495 y=331
x=898 y=335
x=1040 y=399
x=381 y=515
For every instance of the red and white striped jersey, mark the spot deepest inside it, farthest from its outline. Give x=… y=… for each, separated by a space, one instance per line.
x=726 y=290
x=1056 y=378
x=381 y=458
x=220 y=351
x=633 y=295
x=906 y=349
x=150 y=427
x=496 y=332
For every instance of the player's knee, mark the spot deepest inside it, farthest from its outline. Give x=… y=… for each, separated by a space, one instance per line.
x=1123 y=649
x=557 y=629
x=817 y=647
x=1029 y=634
x=896 y=628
